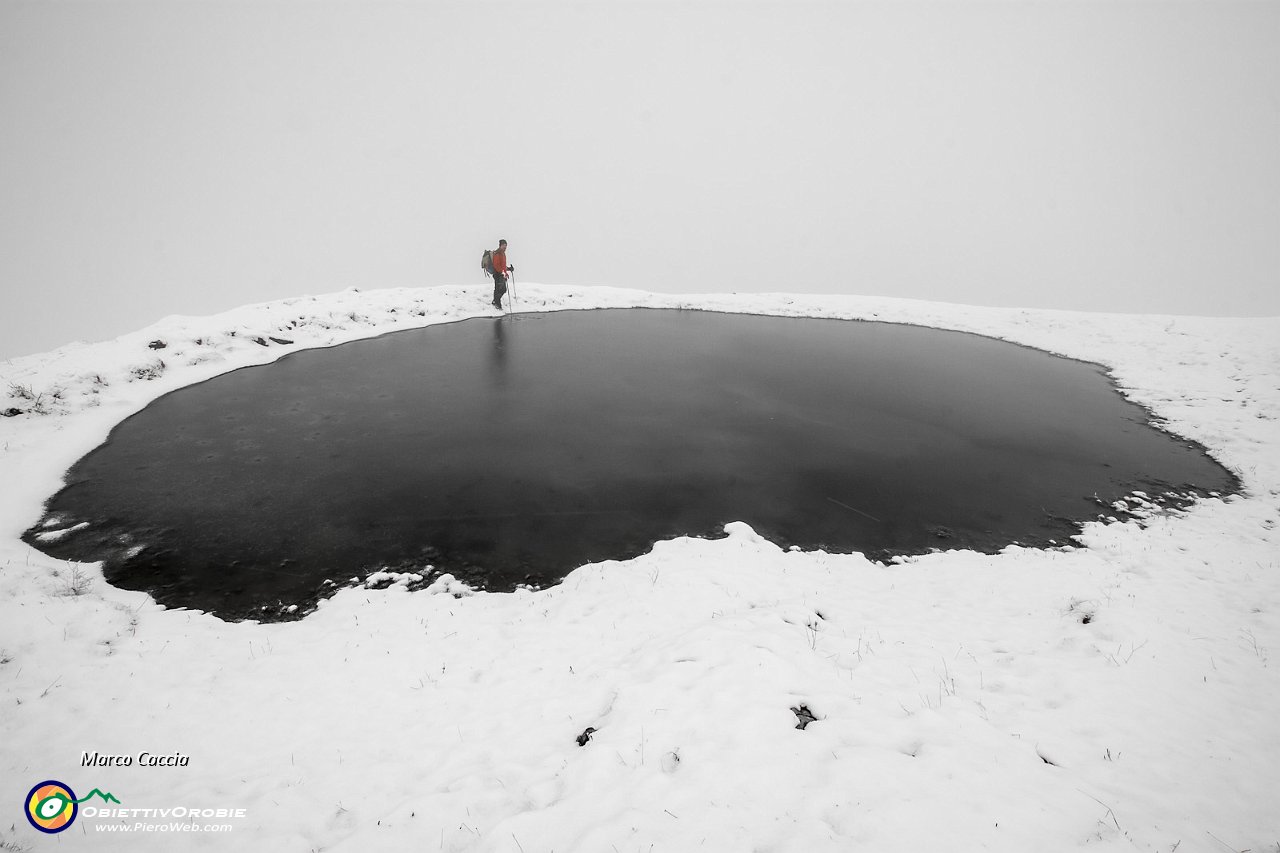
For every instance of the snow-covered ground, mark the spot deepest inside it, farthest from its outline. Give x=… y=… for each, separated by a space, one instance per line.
x=1116 y=696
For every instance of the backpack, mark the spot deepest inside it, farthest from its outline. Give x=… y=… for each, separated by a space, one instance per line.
x=486 y=261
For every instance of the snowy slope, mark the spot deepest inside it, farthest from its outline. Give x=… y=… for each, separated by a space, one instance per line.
x=1119 y=695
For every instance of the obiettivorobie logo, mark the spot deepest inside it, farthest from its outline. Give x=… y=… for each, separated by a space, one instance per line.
x=52 y=806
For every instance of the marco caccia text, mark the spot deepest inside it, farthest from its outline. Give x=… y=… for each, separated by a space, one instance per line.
x=142 y=759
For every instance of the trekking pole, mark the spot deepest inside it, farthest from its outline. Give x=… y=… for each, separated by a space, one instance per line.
x=513 y=291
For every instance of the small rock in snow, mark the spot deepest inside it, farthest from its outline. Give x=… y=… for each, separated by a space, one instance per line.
x=804 y=715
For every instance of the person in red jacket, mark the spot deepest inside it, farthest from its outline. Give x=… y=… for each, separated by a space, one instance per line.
x=500 y=270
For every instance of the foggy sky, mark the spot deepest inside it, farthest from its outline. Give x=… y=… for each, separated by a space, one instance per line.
x=163 y=157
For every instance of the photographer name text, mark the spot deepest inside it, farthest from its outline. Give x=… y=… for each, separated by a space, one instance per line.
x=142 y=759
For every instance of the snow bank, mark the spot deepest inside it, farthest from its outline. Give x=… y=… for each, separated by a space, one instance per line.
x=1117 y=695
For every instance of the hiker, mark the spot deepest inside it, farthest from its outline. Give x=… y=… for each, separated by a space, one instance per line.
x=499 y=271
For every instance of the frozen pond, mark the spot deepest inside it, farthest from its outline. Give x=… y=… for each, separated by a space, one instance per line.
x=511 y=451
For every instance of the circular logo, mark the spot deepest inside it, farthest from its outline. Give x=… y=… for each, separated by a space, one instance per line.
x=51 y=806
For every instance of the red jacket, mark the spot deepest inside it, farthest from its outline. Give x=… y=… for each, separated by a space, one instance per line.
x=500 y=261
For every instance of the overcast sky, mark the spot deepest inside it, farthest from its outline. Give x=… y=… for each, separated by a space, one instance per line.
x=162 y=157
